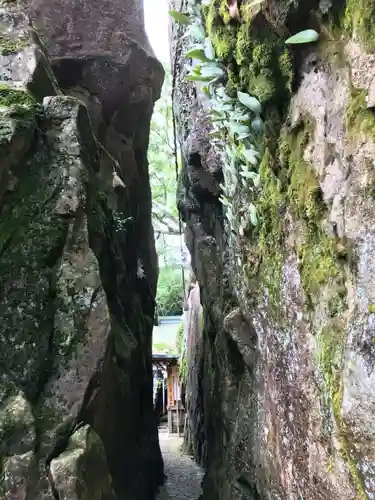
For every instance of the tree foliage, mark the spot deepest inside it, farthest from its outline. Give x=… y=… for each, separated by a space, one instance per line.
x=170 y=293
x=161 y=156
x=162 y=164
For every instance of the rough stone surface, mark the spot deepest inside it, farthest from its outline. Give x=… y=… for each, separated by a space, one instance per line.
x=81 y=471
x=286 y=360
x=75 y=220
x=194 y=358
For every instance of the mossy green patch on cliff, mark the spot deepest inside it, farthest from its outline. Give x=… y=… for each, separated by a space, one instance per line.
x=259 y=63
x=10 y=96
x=332 y=342
x=222 y=35
x=265 y=256
x=359 y=119
x=256 y=56
x=318 y=253
x=17 y=102
x=10 y=45
x=332 y=345
x=290 y=190
x=359 y=21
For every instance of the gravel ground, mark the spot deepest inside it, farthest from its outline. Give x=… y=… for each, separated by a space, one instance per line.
x=183 y=474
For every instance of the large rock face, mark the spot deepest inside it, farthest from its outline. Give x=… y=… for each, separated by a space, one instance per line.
x=287 y=382
x=78 y=266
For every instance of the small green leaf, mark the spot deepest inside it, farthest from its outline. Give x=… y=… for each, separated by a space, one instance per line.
x=307 y=36
x=197 y=53
x=209 y=50
x=251 y=156
x=241 y=117
x=179 y=17
x=220 y=92
x=238 y=128
x=197 y=32
x=243 y=136
x=212 y=69
x=248 y=175
x=257 y=180
x=197 y=78
x=257 y=124
x=229 y=214
x=224 y=200
x=206 y=91
x=250 y=102
x=224 y=108
x=253 y=214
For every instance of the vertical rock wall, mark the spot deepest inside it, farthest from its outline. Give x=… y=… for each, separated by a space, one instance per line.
x=288 y=381
x=78 y=266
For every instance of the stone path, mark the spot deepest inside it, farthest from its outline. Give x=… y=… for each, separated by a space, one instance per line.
x=183 y=475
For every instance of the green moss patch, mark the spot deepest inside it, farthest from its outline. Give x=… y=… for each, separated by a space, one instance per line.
x=359 y=20
x=18 y=103
x=332 y=342
x=10 y=46
x=332 y=345
x=259 y=63
x=256 y=57
x=359 y=119
x=290 y=185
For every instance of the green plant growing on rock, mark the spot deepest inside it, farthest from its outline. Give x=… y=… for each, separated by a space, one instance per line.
x=359 y=20
x=244 y=131
x=179 y=17
x=265 y=166
x=17 y=103
x=10 y=46
x=237 y=124
x=359 y=119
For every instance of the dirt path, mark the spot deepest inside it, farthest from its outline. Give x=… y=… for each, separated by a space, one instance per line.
x=183 y=475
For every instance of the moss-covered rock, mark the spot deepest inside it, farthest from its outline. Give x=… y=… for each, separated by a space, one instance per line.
x=359 y=118
x=81 y=471
x=17 y=425
x=76 y=320
x=9 y=46
x=303 y=276
x=358 y=21
x=258 y=60
x=23 y=58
